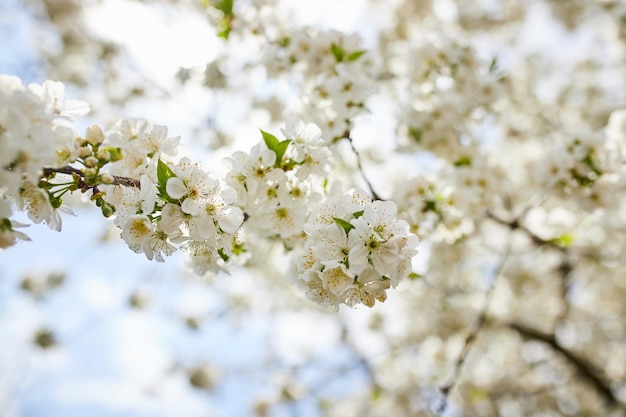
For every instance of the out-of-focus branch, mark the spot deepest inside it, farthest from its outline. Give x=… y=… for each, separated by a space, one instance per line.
x=565 y=267
x=471 y=337
x=583 y=367
x=516 y=224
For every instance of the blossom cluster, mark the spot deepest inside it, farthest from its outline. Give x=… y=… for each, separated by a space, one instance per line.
x=438 y=116
x=35 y=132
x=355 y=250
x=162 y=203
x=337 y=75
x=279 y=182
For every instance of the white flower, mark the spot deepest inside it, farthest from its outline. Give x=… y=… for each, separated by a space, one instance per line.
x=8 y=235
x=332 y=249
x=37 y=203
x=250 y=173
x=283 y=219
x=141 y=236
x=303 y=137
x=52 y=92
x=336 y=280
x=318 y=293
x=191 y=184
x=356 y=254
x=137 y=230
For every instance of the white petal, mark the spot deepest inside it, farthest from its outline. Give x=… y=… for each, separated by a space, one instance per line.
x=176 y=188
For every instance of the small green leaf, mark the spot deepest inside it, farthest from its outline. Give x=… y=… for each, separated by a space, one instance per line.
x=430 y=205
x=164 y=173
x=225 y=32
x=270 y=140
x=224 y=25
x=5 y=225
x=337 y=52
x=355 y=55
x=377 y=393
x=414 y=275
x=357 y=214
x=494 y=64
x=223 y=254
x=415 y=134
x=346 y=226
x=276 y=146
x=225 y=6
x=464 y=161
x=563 y=241
x=115 y=154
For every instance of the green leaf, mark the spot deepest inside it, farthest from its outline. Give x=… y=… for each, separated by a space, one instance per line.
x=164 y=173
x=493 y=65
x=346 y=226
x=225 y=32
x=337 y=52
x=223 y=254
x=464 y=161
x=276 y=146
x=357 y=214
x=270 y=140
x=5 y=225
x=415 y=134
x=430 y=205
x=225 y=23
x=355 y=55
x=115 y=154
x=414 y=275
x=225 y=6
x=563 y=241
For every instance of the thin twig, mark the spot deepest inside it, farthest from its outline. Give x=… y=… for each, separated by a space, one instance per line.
x=471 y=337
x=375 y=196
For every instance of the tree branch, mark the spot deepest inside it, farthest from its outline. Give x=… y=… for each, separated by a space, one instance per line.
x=471 y=337
x=70 y=170
x=375 y=196
x=583 y=367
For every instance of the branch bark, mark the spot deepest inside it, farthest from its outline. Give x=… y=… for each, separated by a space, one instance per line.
x=583 y=367
x=70 y=170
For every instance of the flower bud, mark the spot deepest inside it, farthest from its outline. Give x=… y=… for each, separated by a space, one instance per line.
x=107 y=179
x=91 y=162
x=84 y=152
x=90 y=172
x=94 y=135
x=103 y=154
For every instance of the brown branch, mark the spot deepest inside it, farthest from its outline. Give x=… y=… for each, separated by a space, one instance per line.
x=583 y=367
x=125 y=181
x=70 y=170
x=346 y=135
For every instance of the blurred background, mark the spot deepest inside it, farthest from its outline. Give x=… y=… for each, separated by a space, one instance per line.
x=87 y=327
